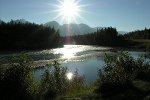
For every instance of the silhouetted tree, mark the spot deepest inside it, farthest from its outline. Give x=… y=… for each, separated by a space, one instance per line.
x=138 y=34
x=16 y=35
x=105 y=36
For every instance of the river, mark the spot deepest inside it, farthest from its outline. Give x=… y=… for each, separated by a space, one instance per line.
x=87 y=59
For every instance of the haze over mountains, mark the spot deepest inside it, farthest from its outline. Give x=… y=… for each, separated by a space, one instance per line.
x=68 y=29
x=75 y=29
x=72 y=28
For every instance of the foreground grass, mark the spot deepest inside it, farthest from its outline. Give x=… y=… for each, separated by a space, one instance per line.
x=89 y=93
x=142 y=44
x=142 y=85
x=86 y=93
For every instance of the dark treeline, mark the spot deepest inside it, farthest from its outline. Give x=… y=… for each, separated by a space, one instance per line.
x=105 y=37
x=17 y=35
x=138 y=34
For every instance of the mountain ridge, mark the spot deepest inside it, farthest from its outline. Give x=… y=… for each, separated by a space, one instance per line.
x=72 y=28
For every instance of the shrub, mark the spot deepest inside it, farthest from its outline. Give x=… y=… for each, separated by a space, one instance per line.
x=78 y=82
x=117 y=75
x=54 y=82
x=17 y=80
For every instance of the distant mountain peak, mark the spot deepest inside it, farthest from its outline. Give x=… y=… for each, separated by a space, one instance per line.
x=52 y=24
x=20 y=21
x=74 y=29
x=1 y=21
x=122 y=32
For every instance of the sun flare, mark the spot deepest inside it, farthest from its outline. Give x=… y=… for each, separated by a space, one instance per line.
x=69 y=10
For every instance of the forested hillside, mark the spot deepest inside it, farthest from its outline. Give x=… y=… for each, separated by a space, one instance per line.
x=104 y=36
x=18 y=35
x=138 y=34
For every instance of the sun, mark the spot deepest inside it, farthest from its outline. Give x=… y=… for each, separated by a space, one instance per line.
x=69 y=10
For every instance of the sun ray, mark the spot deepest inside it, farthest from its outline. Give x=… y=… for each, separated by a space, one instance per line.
x=59 y=15
x=69 y=10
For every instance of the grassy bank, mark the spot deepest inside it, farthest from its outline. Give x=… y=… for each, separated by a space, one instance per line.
x=143 y=44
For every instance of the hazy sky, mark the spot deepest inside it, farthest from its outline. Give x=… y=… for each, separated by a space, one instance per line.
x=125 y=15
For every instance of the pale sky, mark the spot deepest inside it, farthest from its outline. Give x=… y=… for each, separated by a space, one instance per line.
x=125 y=15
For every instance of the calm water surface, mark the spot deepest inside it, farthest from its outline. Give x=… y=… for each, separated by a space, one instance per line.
x=87 y=59
x=87 y=66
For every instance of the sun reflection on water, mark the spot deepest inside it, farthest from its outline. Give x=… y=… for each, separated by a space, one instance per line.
x=69 y=51
x=69 y=75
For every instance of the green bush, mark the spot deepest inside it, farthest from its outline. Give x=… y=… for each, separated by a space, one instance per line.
x=117 y=75
x=78 y=82
x=17 y=80
x=54 y=82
